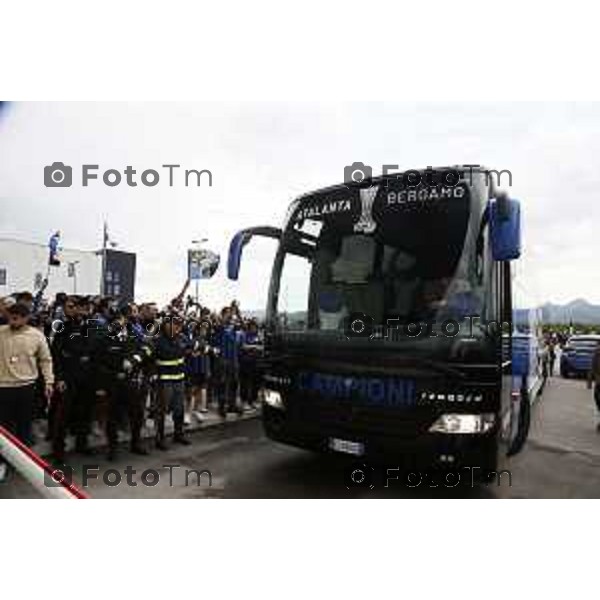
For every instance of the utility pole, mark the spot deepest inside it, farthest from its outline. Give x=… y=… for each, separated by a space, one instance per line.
x=73 y=274
x=104 y=243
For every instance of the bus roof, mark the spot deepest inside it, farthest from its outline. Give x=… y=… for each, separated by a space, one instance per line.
x=462 y=169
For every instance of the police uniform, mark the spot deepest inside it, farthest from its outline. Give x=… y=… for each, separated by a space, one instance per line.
x=73 y=352
x=169 y=357
x=119 y=372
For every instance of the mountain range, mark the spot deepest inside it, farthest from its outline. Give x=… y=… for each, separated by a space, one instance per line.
x=578 y=311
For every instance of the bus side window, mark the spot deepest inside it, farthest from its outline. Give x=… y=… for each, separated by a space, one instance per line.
x=488 y=275
x=481 y=255
x=507 y=306
x=491 y=276
x=501 y=294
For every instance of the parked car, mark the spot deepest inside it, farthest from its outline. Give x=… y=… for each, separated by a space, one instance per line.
x=576 y=356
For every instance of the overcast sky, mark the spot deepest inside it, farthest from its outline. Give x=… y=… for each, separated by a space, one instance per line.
x=262 y=155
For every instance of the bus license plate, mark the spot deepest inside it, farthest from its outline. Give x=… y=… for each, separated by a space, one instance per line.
x=346 y=446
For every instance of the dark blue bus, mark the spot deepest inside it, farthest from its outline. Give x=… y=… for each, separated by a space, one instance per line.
x=389 y=322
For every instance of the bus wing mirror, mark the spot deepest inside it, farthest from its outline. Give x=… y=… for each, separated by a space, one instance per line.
x=505 y=228
x=239 y=240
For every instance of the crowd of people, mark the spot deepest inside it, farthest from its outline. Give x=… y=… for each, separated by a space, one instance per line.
x=85 y=363
x=91 y=364
x=555 y=339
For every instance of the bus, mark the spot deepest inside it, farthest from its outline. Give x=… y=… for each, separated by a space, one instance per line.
x=389 y=322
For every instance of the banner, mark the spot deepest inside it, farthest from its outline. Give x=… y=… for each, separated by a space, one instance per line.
x=202 y=263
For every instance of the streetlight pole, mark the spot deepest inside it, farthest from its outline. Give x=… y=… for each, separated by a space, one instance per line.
x=198 y=243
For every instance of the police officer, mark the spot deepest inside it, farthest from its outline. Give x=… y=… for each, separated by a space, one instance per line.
x=170 y=349
x=73 y=350
x=120 y=359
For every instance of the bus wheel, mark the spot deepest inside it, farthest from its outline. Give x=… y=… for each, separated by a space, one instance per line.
x=523 y=427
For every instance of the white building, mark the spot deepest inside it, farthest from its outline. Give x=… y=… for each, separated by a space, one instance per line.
x=24 y=265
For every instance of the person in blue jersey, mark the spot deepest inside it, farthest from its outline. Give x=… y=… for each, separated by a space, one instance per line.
x=197 y=369
x=53 y=242
x=249 y=355
x=227 y=342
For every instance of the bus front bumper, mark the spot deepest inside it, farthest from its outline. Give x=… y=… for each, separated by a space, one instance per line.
x=409 y=451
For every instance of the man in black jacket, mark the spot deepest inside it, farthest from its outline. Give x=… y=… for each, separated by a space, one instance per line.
x=73 y=352
x=120 y=356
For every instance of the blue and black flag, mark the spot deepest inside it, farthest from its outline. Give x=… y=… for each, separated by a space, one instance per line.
x=54 y=258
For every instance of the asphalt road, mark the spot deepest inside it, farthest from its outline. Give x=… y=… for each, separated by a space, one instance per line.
x=561 y=460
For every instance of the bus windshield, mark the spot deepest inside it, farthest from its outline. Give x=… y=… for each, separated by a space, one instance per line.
x=390 y=256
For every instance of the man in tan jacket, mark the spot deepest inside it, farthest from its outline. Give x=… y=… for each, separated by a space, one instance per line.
x=24 y=353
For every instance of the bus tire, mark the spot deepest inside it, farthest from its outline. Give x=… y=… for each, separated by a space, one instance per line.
x=523 y=427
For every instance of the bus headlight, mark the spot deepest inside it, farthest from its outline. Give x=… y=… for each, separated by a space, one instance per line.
x=273 y=399
x=457 y=423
